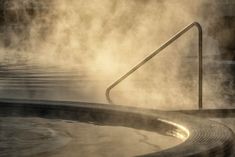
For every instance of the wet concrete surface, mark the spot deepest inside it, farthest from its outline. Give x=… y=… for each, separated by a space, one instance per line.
x=228 y=122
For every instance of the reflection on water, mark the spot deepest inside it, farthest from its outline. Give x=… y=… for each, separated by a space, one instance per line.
x=37 y=81
x=56 y=138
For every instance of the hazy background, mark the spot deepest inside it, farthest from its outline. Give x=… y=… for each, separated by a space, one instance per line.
x=102 y=39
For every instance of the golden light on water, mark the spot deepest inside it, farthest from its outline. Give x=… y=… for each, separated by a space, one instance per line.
x=178 y=133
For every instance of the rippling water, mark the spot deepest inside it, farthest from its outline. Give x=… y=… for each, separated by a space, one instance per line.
x=34 y=81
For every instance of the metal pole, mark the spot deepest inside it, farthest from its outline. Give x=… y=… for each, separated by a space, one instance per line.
x=162 y=47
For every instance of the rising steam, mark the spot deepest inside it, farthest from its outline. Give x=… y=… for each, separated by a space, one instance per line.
x=109 y=37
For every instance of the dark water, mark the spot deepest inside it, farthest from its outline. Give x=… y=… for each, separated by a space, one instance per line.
x=37 y=81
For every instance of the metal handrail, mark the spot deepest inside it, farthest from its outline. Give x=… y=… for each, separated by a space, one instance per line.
x=163 y=46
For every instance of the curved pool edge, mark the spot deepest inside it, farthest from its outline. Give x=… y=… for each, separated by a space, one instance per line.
x=204 y=138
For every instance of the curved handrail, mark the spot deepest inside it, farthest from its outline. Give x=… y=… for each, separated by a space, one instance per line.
x=163 y=46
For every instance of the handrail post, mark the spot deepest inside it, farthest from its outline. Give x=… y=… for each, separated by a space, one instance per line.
x=200 y=68
x=162 y=47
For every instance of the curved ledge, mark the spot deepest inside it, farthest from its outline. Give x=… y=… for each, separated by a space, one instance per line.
x=202 y=137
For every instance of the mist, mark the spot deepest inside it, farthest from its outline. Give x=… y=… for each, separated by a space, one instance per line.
x=106 y=38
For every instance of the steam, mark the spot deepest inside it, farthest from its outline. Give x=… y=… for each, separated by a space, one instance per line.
x=109 y=37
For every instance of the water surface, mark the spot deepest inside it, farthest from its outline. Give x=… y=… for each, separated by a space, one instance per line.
x=59 y=138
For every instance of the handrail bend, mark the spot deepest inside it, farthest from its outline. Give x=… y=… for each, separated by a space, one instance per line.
x=162 y=47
